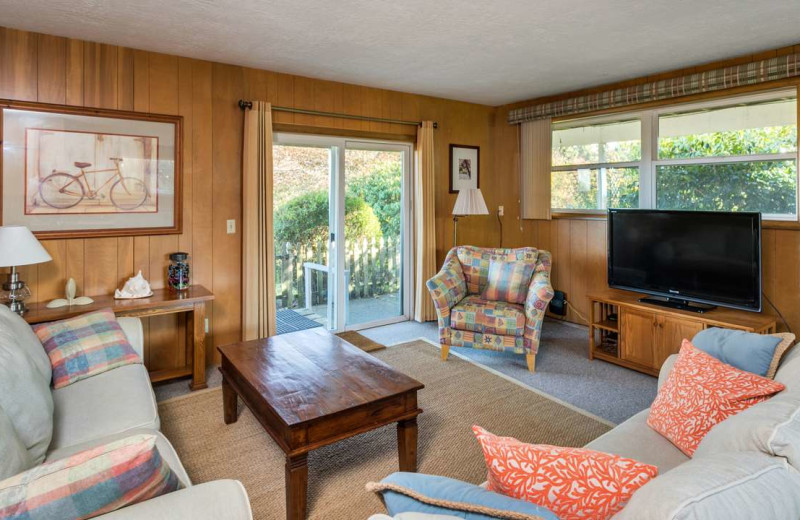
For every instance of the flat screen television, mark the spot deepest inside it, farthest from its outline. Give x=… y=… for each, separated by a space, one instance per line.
x=706 y=257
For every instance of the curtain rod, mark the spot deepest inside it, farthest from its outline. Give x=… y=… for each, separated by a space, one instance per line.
x=249 y=104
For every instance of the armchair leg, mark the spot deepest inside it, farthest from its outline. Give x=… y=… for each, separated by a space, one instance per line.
x=445 y=351
x=531 y=359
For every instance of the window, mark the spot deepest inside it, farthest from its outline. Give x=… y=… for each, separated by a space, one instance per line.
x=727 y=155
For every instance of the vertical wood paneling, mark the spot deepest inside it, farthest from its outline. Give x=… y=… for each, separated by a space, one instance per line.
x=51 y=64
x=18 y=64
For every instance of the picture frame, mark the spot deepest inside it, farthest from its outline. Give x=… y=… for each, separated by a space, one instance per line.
x=78 y=172
x=464 y=167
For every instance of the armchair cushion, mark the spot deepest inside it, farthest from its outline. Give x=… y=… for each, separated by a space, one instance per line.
x=475 y=262
x=478 y=315
x=508 y=281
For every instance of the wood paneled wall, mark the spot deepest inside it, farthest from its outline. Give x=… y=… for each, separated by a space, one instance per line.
x=38 y=67
x=579 y=244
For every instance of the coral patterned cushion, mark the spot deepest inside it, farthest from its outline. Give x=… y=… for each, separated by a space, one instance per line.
x=85 y=346
x=89 y=483
x=508 y=281
x=574 y=483
x=699 y=393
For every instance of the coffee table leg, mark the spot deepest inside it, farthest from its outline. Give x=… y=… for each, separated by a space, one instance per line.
x=407 y=444
x=296 y=486
x=230 y=402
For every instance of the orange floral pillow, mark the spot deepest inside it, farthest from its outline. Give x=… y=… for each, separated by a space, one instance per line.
x=700 y=392
x=574 y=483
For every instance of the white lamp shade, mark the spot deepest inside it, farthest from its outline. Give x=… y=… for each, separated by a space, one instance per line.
x=18 y=246
x=470 y=202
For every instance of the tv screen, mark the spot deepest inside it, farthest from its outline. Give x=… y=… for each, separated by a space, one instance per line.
x=696 y=256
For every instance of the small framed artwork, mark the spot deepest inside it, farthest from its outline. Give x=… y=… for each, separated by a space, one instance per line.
x=72 y=172
x=464 y=167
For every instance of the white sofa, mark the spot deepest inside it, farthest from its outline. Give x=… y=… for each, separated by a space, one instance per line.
x=93 y=411
x=747 y=467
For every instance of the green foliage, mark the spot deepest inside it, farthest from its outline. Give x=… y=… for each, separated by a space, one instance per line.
x=304 y=219
x=382 y=190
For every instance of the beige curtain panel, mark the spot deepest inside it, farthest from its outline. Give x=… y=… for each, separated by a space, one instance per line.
x=424 y=223
x=258 y=272
x=535 y=160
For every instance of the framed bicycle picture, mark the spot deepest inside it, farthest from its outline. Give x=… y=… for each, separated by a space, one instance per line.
x=71 y=172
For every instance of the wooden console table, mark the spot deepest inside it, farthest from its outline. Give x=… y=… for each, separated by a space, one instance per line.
x=643 y=335
x=164 y=301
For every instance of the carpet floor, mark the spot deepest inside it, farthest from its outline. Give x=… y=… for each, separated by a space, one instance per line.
x=457 y=395
x=563 y=369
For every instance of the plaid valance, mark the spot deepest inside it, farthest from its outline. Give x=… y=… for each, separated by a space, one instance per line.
x=752 y=73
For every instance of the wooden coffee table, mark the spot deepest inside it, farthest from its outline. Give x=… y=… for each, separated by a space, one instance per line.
x=310 y=389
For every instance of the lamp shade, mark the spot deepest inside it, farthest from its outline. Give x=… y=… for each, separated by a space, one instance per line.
x=470 y=202
x=18 y=246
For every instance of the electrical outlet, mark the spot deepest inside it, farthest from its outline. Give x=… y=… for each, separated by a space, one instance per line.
x=231 y=226
x=500 y=211
x=206 y=325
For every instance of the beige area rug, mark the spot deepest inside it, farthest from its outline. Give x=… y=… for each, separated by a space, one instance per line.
x=457 y=395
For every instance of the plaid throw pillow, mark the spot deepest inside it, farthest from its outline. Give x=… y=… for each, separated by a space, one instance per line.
x=85 y=346
x=90 y=483
x=508 y=281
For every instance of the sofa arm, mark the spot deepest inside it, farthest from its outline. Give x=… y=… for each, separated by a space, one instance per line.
x=447 y=288
x=132 y=327
x=217 y=500
x=666 y=368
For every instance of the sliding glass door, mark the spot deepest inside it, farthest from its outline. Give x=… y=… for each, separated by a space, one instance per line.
x=341 y=225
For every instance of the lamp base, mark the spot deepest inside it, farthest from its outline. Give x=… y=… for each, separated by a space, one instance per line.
x=15 y=292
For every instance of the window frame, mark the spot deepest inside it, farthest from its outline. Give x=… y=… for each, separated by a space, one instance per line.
x=649 y=161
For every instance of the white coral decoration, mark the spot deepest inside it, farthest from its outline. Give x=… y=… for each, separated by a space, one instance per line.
x=136 y=287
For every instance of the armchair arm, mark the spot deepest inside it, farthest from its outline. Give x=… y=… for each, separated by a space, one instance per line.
x=217 y=500
x=540 y=292
x=447 y=288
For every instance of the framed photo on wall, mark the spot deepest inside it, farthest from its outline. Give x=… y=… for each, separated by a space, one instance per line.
x=72 y=172
x=464 y=167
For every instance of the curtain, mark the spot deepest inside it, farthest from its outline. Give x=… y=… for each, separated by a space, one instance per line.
x=424 y=223
x=753 y=73
x=258 y=270
x=535 y=158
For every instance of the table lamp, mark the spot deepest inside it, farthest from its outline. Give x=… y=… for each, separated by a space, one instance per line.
x=469 y=202
x=18 y=247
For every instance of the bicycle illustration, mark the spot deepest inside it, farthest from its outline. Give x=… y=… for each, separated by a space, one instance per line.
x=62 y=190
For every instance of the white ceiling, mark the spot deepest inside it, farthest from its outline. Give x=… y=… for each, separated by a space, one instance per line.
x=493 y=52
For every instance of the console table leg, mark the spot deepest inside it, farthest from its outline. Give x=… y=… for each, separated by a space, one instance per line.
x=230 y=402
x=407 y=444
x=296 y=486
x=198 y=321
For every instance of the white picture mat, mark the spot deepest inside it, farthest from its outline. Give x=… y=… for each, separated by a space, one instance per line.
x=470 y=154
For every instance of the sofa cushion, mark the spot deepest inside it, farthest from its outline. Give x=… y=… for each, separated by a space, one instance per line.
x=756 y=353
x=574 y=483
x=635 y=440
x=14 y=456
x=730 y=486
x=478 y=315
x=163 y=445
x=700 y=392
x=25 y=396
x=434 y=495
x=508 y=281
x=89 y=483
x=475 y=263
x=85 y=346
x=18 y=328
x=116 y=401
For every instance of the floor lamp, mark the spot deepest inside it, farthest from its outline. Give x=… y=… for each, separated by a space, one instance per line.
x=469 y=202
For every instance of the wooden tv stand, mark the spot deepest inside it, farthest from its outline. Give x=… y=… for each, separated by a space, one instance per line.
x=644 y=335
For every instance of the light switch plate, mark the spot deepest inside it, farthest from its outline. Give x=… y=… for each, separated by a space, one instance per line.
x=501 y=211
x=231 y=226
x=206 y=325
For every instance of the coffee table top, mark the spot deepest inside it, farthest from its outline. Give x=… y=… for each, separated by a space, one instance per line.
x=311 y=374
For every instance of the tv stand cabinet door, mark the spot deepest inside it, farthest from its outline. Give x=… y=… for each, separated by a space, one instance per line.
x=670 y=333
x=637 y=331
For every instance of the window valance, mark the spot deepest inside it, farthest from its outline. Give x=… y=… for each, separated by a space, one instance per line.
x=781 y=67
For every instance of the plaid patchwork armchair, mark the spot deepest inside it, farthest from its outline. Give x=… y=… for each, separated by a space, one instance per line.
x=468 y=319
